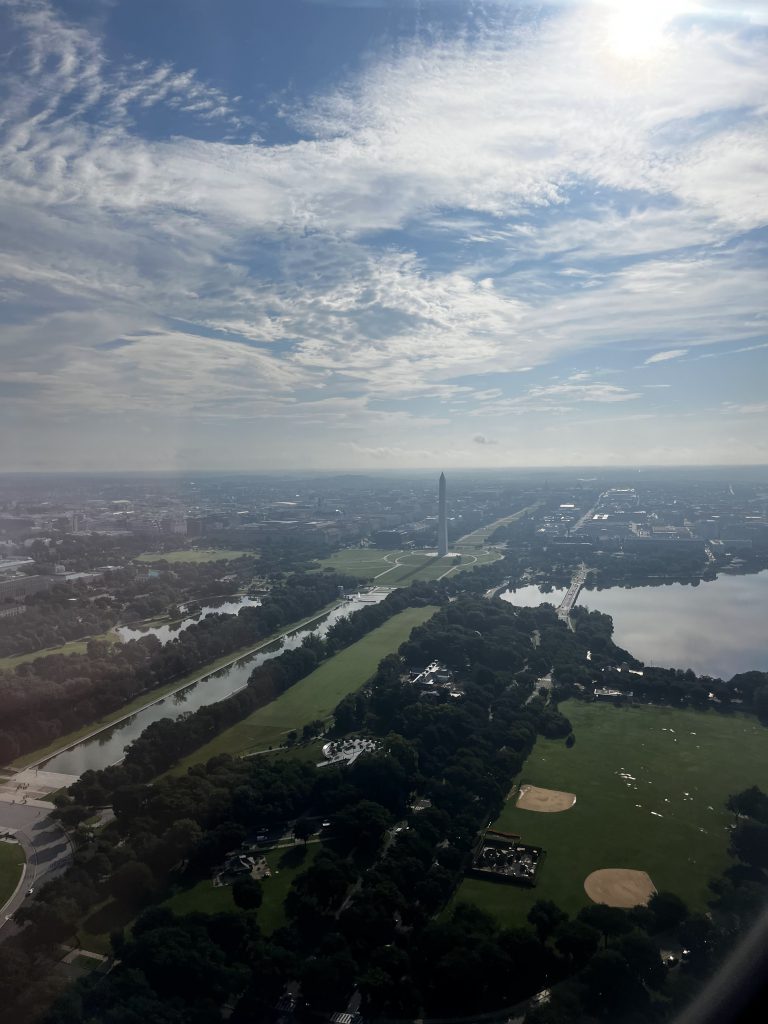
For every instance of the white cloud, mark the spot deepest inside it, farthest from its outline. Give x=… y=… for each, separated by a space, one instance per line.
x=263 y=252
x=662 y=357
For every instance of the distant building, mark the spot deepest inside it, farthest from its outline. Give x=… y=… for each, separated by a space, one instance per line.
x=23 y=586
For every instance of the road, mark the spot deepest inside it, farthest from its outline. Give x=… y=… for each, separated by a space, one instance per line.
x=47 y=849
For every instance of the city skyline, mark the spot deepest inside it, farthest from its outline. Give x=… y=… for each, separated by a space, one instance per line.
x=329 y=234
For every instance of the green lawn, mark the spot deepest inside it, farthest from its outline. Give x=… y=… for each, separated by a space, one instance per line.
x=401 y=568
x=148 y=698
x=204 y=897
x=193 y=555
x=284 y=865
x=316 y=695
x=363 y=562
x=11 y=861
x=669 y=819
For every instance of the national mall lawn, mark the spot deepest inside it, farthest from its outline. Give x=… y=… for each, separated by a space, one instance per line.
x=650 y=785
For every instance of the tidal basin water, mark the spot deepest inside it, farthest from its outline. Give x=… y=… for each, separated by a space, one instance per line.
x=717 y=628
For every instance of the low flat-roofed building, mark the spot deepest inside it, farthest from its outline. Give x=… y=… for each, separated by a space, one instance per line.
x=23 y=586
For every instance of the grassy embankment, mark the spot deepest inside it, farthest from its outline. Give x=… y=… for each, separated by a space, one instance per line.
x=11 y=861
x=143 y=700
x=650 y=785
x=316 y=695
x=194 y=555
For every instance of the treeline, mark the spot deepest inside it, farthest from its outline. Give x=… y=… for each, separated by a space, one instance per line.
x=76 y=610
x=51 y=623
x=51 y=696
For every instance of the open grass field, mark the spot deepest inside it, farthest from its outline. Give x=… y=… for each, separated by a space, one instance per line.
x=11 y=860
x=401 y=568
x=284 y=865
x=650 y=785
x=193 y=555
x=316 y=695
x=204 y=897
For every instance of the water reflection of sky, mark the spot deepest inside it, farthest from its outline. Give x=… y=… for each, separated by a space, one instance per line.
x=108 y=747
x=168 y=632
x=717 y=628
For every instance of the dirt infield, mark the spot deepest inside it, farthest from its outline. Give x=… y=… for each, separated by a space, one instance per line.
x=534 y=799
x=619 y=887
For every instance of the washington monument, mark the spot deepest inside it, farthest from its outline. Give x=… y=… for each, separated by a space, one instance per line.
x=442 y=520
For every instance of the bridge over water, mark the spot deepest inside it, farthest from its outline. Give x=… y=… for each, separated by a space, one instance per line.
x=566 y=605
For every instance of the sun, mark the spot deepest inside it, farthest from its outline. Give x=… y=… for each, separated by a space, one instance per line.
x=635 y=29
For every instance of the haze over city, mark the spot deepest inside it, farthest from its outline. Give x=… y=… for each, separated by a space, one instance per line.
x=362 y=234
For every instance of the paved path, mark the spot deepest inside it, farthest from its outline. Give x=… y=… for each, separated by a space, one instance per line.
x=46 y=846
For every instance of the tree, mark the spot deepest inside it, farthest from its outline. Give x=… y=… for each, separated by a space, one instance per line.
x=327 y=980
x=611 y=987
x=132 y=884
x=577 y=940
x=545 y=916
x=610 y=921
x=749 y=842
x=303 y=829
x=668 y=910
x=642 y=955
x=311 y=729
x=760 y=703
x=247 y=893
x=752 y=803
x=363 y=824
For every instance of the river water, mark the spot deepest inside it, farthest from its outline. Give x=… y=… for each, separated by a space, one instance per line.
x=108 y=747
x=717 y=628
x=229 y=606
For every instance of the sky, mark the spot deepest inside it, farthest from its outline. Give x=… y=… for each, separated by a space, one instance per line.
x=358 y=234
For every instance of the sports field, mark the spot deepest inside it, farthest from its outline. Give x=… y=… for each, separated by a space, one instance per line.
x=650 y=786
x=11 y=860
x=316 y=695
x=193 y=555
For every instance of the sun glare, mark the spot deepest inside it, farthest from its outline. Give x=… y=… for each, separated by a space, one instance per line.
x=636 y=28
